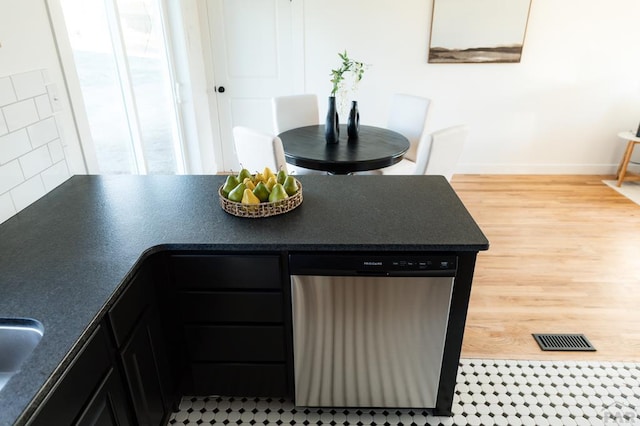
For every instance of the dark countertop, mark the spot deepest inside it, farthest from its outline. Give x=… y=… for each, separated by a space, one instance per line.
x=64 y=258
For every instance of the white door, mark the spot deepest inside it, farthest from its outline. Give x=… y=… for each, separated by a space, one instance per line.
x=256 y=53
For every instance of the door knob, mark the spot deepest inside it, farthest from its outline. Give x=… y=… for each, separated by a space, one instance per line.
x=221 y=89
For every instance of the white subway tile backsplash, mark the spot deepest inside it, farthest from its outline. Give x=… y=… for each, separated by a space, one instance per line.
x=55 y=175
x=3 y=125
x=43 y=106
x=32 y=156
x=10 y=176
x=20 y=114
x=7 y=94
x=35 y=162
x=43 y=131
x=28 y=84
x=13 y=145
x=28 y=192
x=7 y=209
x=56 y=151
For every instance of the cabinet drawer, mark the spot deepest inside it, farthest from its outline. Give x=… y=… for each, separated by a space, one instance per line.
x=199 y=306
x=226 y=271
x=240 y=379
x=130 y=306
x=235 y=343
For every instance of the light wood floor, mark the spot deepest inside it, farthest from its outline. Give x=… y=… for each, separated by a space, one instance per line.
x=564 y=257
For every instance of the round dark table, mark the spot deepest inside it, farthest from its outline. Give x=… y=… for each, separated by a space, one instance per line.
x=375 y=148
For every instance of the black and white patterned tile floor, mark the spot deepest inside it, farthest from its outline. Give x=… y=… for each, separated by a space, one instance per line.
x=488 y=392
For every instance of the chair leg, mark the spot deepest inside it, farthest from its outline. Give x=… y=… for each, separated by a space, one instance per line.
x=622 y=169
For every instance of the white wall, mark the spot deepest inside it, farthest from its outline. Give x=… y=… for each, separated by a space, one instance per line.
x=558 y=111
x=39 y=148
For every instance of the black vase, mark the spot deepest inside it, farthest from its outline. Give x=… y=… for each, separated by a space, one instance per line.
x=638 y=132
x=332 y=125
x=353 y=123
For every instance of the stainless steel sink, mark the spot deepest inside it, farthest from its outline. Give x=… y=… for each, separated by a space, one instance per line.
x=18 y=338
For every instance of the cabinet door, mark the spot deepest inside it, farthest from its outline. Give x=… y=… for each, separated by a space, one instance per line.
x=147 y=371
x=141 y=338
x=126 y=312
x=90 y=380
x=107 y=407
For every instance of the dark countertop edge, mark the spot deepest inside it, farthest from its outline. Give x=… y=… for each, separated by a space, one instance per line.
x=57 y=373
x=322 y=247
x=55 y=376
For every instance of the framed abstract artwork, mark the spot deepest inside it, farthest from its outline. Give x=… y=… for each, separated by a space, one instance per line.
x=478 y=31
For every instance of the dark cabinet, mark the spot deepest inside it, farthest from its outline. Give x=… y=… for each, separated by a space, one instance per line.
x=125 y=374
x=233 y=315
x=217 y=322
x=91 y=391
x=146 y=371
x=142 y=347
x=107 y=406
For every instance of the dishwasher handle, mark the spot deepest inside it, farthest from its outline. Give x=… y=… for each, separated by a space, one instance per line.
x=441 y=273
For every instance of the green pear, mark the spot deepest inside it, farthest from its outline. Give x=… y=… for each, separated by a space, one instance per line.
x=262 y=192
x=278 y=193
x=281 y=176
x=290 y=185
x=244 y=173
x=229 y=184
x=237 y=193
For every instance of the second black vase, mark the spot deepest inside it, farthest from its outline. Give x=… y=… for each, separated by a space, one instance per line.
x=353 y=123
x=332 y=125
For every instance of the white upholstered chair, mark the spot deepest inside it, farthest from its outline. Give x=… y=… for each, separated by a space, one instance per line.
x=256 y=150
x=446 y=148
x=294 y=111
x=438 y=153
x=408 y=116
x=408 y=167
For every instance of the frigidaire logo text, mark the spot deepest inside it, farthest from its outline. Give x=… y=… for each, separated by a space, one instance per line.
x=372 y=263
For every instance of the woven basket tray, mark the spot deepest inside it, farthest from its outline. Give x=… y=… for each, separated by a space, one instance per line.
x=262 y=209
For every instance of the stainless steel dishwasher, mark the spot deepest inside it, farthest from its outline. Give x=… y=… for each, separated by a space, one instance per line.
x=369 y=330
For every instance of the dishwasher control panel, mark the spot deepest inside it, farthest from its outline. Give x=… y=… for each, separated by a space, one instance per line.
x=419 y=264
x=372 y=264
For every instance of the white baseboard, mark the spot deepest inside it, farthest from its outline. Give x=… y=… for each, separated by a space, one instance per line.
x=537 y=169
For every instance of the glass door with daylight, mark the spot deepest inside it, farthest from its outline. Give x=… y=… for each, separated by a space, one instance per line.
x=120 y=54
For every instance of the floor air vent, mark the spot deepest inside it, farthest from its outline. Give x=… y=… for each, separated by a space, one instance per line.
x=563 y=342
